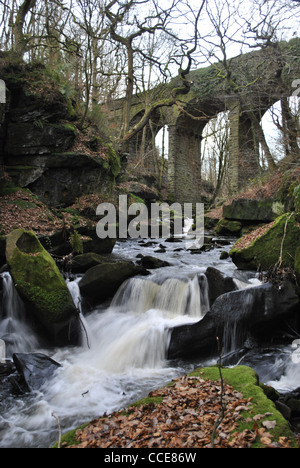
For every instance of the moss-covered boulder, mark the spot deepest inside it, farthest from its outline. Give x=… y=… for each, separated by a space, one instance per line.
x=39 y=283
x=277 y=241
x=247 y=209
x=228 y=227
x=82 y=263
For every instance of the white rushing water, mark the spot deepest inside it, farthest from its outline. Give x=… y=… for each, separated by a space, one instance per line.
x=122 y=360
x=14 y=330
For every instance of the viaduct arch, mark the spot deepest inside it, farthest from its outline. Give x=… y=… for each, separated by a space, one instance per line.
x=255 y=81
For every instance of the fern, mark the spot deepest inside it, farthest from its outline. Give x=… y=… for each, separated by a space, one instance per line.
x=76 y=242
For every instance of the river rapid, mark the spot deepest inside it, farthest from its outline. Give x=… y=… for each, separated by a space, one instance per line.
x=122 y=356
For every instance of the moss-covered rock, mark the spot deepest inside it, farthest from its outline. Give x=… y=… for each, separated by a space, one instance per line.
x=102 y=281
x=244 y=209
x=38 y=279
x=82 y=263
x=265 y=247
x=228 y=227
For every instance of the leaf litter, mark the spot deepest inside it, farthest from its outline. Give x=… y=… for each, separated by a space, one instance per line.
x=181 y=415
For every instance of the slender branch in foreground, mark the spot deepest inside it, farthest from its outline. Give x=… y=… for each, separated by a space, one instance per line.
x=59 y=429
x=222 y=413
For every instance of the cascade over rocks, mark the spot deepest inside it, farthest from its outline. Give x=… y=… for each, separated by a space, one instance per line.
x=42 y=287
x=255 y=312
x=102 y=281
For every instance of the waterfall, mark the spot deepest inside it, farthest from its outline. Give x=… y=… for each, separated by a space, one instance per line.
x=73 y=286
x=14 y=330
x=174 y=297
x=134 y=331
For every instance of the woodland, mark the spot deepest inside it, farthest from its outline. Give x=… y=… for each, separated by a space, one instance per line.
x=99 y=52
x=71 y=72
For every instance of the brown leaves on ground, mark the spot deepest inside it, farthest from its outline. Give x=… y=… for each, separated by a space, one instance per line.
x=247 y=239
x=184 y=418
x=22 y=210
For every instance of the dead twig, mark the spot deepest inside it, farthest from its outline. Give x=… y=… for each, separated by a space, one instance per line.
x=59 y=430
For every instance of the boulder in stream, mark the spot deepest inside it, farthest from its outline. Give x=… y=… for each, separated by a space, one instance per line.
x=102 y=281
x=42 y=287
x=234 y=318
x=35 y=369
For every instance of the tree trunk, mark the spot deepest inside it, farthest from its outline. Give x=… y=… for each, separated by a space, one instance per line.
x=20 y=42
x=129 y=89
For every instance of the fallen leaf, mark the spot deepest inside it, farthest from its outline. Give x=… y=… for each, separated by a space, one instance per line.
x=269 y=424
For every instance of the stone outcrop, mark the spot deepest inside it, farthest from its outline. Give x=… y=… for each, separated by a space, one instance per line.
x=39 y=141
x=250 y=210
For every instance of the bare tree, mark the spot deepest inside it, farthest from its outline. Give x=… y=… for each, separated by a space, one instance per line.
x=21 y=42
x=155 y=21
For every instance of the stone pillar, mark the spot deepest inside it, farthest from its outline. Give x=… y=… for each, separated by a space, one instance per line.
x=234 y=146
x=243 y=162
x=249 y=151
x=184 y=169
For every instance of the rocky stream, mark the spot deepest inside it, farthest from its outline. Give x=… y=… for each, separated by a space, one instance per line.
x=157 y=327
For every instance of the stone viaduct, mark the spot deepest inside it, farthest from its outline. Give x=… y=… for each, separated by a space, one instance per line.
x=254 y=83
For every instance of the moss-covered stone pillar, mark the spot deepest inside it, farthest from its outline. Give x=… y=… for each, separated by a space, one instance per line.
x=234 y=146
x=243 y=162
x=184 y=165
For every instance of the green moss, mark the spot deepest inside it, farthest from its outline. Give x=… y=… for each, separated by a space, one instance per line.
x=114 y=161
x=37 y=277
x=70 y=127
x=76 y=242
x=265 y=250
x=70 y=437
x=228 y=227
x=296 y=195
x=244 y=380
x=7 y=187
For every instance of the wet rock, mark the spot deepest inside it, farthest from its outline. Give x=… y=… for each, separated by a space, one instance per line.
x=150 y=262
x=35 y=369
x=102 y=281
x=82 y=263
x=226 y=227
x=234 y=317
x=218 y=283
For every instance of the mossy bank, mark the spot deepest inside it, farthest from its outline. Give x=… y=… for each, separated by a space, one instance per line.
x=244 y=380
x=275 y=243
